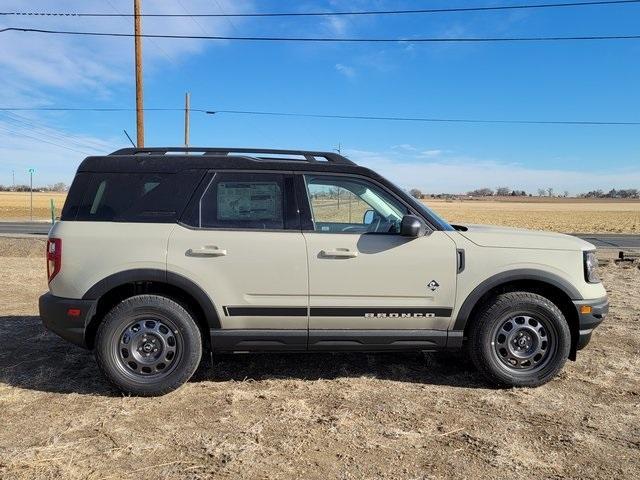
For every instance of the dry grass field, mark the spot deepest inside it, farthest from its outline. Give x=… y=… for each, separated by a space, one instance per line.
x=16 y=205
x=319 y=416
x=556 y=214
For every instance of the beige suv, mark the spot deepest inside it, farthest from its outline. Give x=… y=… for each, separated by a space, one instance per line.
x=163 y=253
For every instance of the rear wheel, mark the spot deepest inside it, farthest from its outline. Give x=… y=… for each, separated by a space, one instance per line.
x=519 y=339
x=148 y=345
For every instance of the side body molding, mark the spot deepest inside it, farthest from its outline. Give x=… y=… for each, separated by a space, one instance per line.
x=156 y=275
x=507 y=277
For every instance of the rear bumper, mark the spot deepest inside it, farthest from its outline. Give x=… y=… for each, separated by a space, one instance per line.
x=587 y=322
x=67 y=317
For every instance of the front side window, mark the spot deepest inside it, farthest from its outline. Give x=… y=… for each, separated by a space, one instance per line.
x=243 y=200
x=343 y=204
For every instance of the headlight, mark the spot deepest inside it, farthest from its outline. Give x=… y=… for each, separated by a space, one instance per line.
x=591 y=267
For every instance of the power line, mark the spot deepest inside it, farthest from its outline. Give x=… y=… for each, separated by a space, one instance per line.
x=195 y=22
x=156 y=44
x=420 y=119
x=29 y=122
x=231 y=24
x=334 y=39
x=18 y=121
x=328 y=116
x=331 y=14
x=42 y=140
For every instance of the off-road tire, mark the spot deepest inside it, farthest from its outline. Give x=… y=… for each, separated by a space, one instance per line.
x=175 y=329
x=491 y=355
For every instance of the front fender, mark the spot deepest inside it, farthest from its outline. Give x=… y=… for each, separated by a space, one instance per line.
x=508 y=277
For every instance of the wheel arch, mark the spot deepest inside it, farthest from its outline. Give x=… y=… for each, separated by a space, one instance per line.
x=555 y=288
x=114 y=288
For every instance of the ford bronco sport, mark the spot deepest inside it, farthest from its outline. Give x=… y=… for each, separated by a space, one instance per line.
x=164 y=253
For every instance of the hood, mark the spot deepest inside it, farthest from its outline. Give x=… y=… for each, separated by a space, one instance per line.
x=506 y=237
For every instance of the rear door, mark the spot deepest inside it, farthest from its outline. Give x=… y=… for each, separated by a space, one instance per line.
x=241 y=243
x=370 y=287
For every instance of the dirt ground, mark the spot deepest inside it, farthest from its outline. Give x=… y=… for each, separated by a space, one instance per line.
x=317 y=416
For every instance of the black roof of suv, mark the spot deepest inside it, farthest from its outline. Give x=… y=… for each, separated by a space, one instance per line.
x=175 y=159
x=187 y=167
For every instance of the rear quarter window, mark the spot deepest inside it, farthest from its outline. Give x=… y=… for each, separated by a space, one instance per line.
x=132 y=197
x=74 y=198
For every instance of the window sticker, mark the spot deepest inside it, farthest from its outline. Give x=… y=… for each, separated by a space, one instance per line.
x=248 y=201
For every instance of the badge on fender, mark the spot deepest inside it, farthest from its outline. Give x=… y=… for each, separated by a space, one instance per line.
x=433 y=285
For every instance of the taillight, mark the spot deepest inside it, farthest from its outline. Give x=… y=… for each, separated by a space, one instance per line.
x=54 y=257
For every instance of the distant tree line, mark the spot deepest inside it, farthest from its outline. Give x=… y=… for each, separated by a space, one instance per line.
x=542 y=192
x=56 y=187
x=613 y=193
x=499 y=192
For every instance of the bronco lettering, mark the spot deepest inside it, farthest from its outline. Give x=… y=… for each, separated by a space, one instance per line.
x=399 y=315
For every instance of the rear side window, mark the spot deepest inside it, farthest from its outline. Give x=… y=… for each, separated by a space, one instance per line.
x=243 y=200
x=73 y=203
x=136 y=197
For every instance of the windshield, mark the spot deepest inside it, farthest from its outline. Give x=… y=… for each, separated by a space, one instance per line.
x=427 y=212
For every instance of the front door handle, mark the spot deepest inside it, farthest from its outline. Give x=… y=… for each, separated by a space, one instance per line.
x=339 y=253
x=206 y=251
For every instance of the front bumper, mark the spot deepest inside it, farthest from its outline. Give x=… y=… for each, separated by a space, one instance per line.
x=587 y=322
x=67 y=317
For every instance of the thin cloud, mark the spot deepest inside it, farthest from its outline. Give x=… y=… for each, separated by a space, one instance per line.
x=405 y=147
x=42 y=70
x=432 y=153
x=336 y=25
x=95 y=65
x=346 y=70
x=461 y=174
x=42 y=147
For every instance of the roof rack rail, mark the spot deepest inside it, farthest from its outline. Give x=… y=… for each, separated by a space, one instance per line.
x=255 y=153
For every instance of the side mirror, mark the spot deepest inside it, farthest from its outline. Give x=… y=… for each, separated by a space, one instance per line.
x=368 y=217
x=411 y=226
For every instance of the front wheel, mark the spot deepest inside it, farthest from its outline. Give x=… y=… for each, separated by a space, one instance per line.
x=519 y=339
x=148 y=345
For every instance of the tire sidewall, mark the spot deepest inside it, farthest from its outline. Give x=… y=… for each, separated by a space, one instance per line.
x=124 y=313
x=511 y=305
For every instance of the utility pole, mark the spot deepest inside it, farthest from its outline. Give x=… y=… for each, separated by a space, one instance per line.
x=13 y=179
x=138 y=60
x=187 y=108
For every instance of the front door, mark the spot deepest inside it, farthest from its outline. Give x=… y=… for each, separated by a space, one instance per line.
x=370 y=287
x=244 y=248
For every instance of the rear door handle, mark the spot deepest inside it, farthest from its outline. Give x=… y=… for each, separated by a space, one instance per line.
x=339 y=253
x=206 y=251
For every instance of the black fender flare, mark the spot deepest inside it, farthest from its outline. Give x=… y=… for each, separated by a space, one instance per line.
x=507 y=277
x=156 y=275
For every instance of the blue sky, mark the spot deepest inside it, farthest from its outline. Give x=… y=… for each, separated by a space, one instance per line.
x=537 y=81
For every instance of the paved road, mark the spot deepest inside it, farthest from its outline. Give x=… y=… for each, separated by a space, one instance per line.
x=600 y=240
x=25 y=228
x=611 y=240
